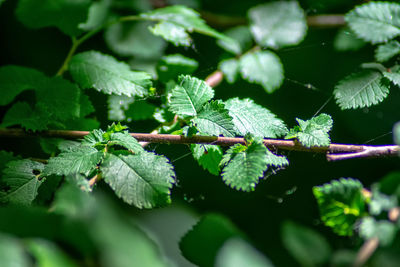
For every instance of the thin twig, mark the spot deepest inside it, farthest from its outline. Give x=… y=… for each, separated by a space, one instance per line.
x=366 y=251
x=223 y=21
x=339 y=150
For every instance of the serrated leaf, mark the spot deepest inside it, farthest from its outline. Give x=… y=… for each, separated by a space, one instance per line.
x=208 y=236
x=16 y=79
x=208 y=157
x=175 y=22
x=275 y=160
x=313 y=132
x=360 y=89
x=242 y=40
x=188 y=98
x=385 y=231
x=230 y=68
x=244 y=169
x=170 y=66
x=93 y=138
x=105 y=74
x=172 y=32
x=124 y=139
x=63 y=14
x=307 y=246
x=393 y=76
x=117 y=106
x=22 y=114
x=21 y=180
x=278 y=24
x=6 y=157
x=341 y=204
x=134 y=39
x=263 y=68
x=214 y=119
x=237 y=252
x=98 y=12
x=144 y=180
x=249 y=117
x=347 y=40
x=386 y=51
x=80 y=159
x=375 y=22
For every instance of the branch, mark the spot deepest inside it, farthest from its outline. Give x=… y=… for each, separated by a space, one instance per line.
x=334 y=151
x=224 y=21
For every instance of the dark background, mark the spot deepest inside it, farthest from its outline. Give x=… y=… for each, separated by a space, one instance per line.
x=261 y=213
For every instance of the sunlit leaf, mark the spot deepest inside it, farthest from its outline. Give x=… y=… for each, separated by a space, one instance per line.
x=263 y=68
x=375 y=22
x=278 y=24
x=360 y=89
x=104 y=73
x=341 y=204
x=143 y=180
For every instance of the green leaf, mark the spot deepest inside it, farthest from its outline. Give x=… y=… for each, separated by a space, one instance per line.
x=263 y=68
x=237 y=252
x=208 y=156
x=189 y=96
x=347 y=40
x=390 y=184
x=21 y=180
x=243 y=40
x=48 y=254
x=105 y=74
x=175 y=22
x=313 y=132
x=170 y=66
x=144 y=180
x=63 y=14
x=98 y=12
x=214 y=119
x=16 y=79
x=172 y=32
x=22 y=114
x=341 y=204
x=393 y=75
x=134 y=39
x=140 y=110
x=58 y=92
x=80 y=159
x=243 y=170
x=278 y=24
x=230 y=68
x=117 y=106
x=94 y=138
x=124 y=139
x=385 y=231
x=379 y=202
x=375 y=22
x=386 y=51
x=12 y=252
x=207 y=236
x=249 y=117
x=360 y=89
x=6 y=157
x=307 y=246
